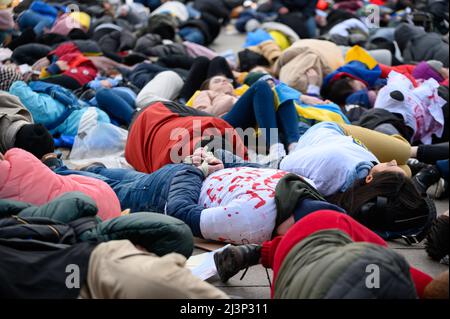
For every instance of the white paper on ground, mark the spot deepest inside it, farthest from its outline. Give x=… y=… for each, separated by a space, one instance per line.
x=203 y=266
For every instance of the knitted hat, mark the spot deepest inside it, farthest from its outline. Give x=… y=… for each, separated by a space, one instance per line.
x=254 y=77
x=428 y=70
x=36 y=139
x=8 y=76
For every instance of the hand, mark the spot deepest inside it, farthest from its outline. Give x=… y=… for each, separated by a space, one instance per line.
x=214 y=165
x=201 y=155
x=283 y=11
x=62 y=65
x=106 y=84
x=311 y=100
x=313 y=77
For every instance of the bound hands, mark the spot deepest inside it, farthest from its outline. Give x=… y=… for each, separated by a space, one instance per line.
x=205 y=161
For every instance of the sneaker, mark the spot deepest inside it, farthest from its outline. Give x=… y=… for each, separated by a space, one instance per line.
x=52 y=160
x=439 y=191
x=426 y=178
x=233 y=259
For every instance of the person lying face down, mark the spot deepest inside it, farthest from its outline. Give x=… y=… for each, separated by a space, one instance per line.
x=326 y=255
x=24 y=178
x=239 y=204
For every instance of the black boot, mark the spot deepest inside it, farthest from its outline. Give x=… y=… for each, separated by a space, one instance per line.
x=416 y=166
x=426 y=178
x=236 y=258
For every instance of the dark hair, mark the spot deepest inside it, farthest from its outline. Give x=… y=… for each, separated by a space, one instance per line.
x=403 y=202
x=205 y=85
x=437 y=245
x=338 y=91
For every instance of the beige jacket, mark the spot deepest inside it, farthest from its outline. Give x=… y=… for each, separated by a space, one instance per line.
x=269 y=49
x=217 y=104
x=13 y=116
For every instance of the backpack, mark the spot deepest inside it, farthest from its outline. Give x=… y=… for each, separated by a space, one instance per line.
x=411 y=228
x=45 y=229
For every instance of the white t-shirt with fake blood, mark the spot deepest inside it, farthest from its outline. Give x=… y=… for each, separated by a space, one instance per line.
x=239 y=205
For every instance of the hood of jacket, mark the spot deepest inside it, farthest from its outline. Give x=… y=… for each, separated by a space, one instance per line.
x=13 y=116
x=329 y=265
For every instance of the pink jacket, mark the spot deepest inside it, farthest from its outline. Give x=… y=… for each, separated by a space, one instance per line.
x=24 y=178
x=217 y=104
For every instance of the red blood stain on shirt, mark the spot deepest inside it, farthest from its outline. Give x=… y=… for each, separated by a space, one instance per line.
x=253 y=195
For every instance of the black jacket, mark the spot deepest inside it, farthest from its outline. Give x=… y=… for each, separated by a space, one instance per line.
x=306 y=7
x=418 y=45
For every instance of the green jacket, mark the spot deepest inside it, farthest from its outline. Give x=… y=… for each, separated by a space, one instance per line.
x=158 y=233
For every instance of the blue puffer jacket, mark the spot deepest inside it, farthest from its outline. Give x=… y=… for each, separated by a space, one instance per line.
x=172 y=190
x=49 y=109
x=45 y=9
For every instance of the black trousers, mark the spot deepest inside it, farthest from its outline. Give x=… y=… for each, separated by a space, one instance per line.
x=202 y=70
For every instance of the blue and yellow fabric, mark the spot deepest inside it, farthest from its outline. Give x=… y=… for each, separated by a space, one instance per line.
x=360 y=66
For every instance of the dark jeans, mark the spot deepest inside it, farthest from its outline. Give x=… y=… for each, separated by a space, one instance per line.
x=431 y=153
x=193 y=35
x=117 y=104
x=31 y=19
x=257 y=107
x=201 y=70
x=64 y=81
x=443 y=168
x=133 y=189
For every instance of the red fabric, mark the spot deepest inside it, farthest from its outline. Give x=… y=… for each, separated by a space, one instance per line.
x=378 y=2
x=406 y=70
x=158 y=131
x=81 y=69
x=274 y=252
x=322 y=5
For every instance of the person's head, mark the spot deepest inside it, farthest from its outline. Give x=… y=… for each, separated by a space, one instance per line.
x=218 y=83
x=36 y=139
x=386 y=201
x=391 y=166
x=338 y=91
x=437 y=244
x=336 y=266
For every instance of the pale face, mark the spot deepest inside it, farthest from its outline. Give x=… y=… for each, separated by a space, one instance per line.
x=387 y=167
x=221 y=84
x=357 y=85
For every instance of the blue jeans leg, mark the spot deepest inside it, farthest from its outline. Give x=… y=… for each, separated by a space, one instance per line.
x=288 y=122
x=311 y=26
x=256 y=107
x=116 y=106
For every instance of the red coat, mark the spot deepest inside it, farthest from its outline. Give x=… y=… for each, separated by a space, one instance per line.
x=406 y=70
x=275 y=251
x=80 y=69
x=157 y=136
